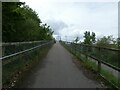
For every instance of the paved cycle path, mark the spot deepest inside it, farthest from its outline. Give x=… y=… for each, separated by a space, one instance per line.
x=58 y=71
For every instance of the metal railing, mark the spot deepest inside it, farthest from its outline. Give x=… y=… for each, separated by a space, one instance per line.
x=18 y=45
x=25 y=54
x=14 y=47
x=107 y=56
x=102 y=55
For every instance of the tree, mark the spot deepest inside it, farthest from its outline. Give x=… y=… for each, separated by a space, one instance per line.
x=21 y=23
x=76 y=40
x=9 y=18
x=93 y=38
x=106 y=41
x=89 y=39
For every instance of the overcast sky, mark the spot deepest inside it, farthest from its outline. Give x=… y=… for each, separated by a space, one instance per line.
x=72 y=18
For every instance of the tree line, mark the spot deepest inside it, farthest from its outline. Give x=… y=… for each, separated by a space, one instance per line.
x=105 y=41
x=21 y=23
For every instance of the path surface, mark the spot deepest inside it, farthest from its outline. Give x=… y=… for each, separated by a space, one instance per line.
x=58 y=71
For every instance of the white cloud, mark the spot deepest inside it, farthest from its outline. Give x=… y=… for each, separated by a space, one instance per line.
x=72 y=18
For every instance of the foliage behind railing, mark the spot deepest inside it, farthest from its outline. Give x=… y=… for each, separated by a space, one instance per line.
x=107 y=55
x=21 y=59
x=14 y=47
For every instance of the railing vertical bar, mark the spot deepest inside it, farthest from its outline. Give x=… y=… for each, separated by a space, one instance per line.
x=99 y=62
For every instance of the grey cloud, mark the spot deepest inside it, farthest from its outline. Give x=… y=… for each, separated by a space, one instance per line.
x=101 y=18
x=57 y=25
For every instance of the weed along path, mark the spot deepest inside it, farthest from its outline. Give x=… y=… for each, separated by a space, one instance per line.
x=57 y=70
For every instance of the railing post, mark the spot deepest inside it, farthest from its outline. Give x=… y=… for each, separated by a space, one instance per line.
x=99 y=66
x=99 y=62
x=86 y=52
x=71 y=46
x=75 y=48
x=80 y=50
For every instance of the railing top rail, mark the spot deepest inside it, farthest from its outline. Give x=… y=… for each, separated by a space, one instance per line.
x=100 y=47
x=112 y=49
x=8 y=56
x=17 y=43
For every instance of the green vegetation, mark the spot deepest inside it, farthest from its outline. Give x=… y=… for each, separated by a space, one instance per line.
x=88 y=47
x=89 y=39
x=108 y=41
x=106 y=55
x=105 y=41
x=76 y=40
x=108 y=75
x=15 y=67
x=21 y=23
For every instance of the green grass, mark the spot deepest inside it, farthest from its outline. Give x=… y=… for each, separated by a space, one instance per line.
x=108 y=75
x=90 y=65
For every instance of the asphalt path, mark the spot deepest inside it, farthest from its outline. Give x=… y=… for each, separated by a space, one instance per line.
x=57 y=70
